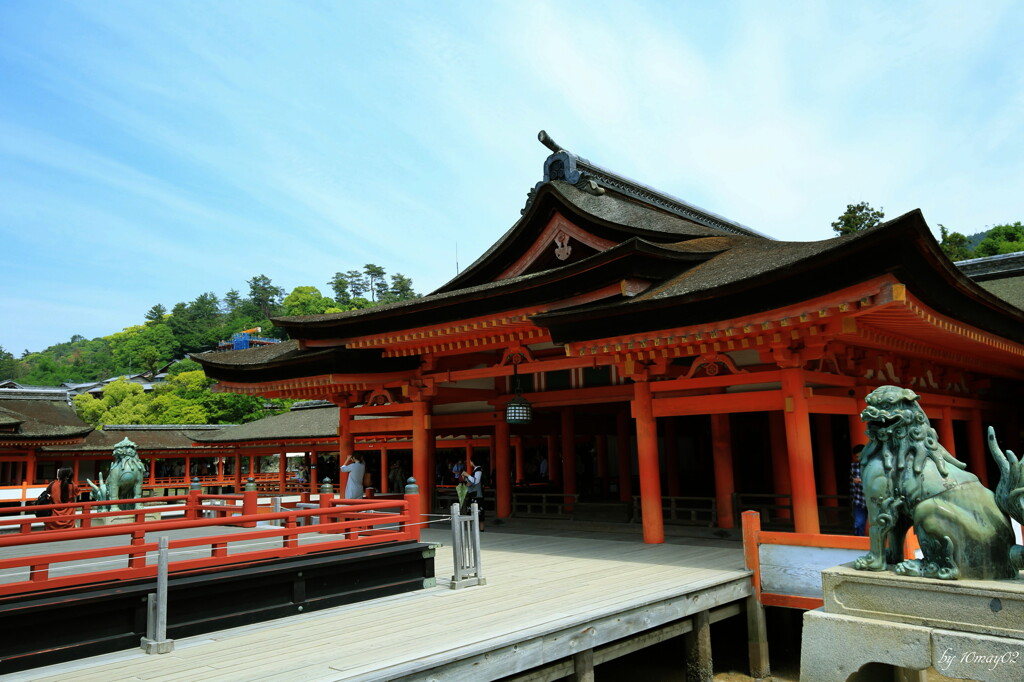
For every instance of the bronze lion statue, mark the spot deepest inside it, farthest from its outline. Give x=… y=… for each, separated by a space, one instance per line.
x=910 y=480
x=124 y=480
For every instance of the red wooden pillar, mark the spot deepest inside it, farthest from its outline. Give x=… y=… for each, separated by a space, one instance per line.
x=801 y=457
x=346 y=447
x=554 y=461
x=469 y=453
x=945 y=430
x=188 y=469
x=568 y=451
x=624 y=456
x=721 y=456
x=601 y=447
x=421 y=437
x=647 y=459
x=858 y=431
x=282 y=471
x=780 y=461
x=220 y=470
x=384 y=469
x=238 y=470
x=826 y=459
x=520 y=463
x=672 y=457
x=503 y=472
x=976 y=447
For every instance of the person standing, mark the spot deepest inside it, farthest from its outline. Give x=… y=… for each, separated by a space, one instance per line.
x=474 y=479
x=860 y=508
x=355 y=469
x=63 y=491
x=396 y=482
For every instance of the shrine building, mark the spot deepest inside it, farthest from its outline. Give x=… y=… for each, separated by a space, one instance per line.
x=634 y=345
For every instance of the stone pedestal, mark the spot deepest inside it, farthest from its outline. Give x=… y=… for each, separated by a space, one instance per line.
x=967 y=629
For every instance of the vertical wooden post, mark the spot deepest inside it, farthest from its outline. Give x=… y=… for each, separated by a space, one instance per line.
x=314 y=478
x=858 y=432
x=801 y=457
x=647 y=459
x=976 y=447
x=188 y=470
x=826 y=459
x=384 y=468
x=554 y=460
x=601 y=448
x=282 y=471
x=583 y=666
x=568 y=451
x=623 y=453
x=946 y=430
x=517 y=443
x=469 y=453
x=780 y=462
x=421 y=436
x=672 y=456
x=757 y=630
x=697 y=649
x=721 y=456
x=249 y=500
x=238 y=469
x=503 y=472
x=74 y=469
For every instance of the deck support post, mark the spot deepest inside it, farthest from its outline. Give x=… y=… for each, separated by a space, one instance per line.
x=520 y=461
x=757 y=639
x=583 y=666
x=384 y=469
x=721 y=455
x=801 y=457
x=697 y=649
x=568 y=424
x=502 y=472
x=421 y=436
x=623 y=455
x=780 y=463
x=976 y=447
x=647 y=458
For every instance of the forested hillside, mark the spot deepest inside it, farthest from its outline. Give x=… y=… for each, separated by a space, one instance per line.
x=165 y=335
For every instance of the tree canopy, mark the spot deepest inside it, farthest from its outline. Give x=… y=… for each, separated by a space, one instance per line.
x=1001 y=239
x=857 y=217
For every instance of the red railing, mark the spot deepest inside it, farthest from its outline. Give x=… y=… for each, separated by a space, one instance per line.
x=358 y=522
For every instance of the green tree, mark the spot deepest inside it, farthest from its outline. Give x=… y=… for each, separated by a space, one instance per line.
x=357 y=283
x=156 y=314
x=400 y=290
x=232 y=300
x=339 y=285
x=265 y=295
x=143 y=347
x=306 y=301
x=9 y=365
x=954 y=245
x=1001 y=239
x=376 y=283
x=856 y=218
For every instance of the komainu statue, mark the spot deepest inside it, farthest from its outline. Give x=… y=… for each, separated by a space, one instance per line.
x=124 y=480
x=909 y=480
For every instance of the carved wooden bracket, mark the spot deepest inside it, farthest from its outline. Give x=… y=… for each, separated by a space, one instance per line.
x=562 y=248
x=379 y=396
x=710 y=362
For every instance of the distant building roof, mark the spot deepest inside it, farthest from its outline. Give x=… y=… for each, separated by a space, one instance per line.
x=147 y=437
x=27 y=419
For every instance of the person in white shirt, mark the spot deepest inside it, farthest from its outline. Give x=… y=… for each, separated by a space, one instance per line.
x=355 y=469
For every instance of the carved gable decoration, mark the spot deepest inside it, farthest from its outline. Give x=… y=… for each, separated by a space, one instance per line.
x=559 y=243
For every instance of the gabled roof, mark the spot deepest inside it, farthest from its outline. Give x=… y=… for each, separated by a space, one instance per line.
x=314 y=422
x=147 y=438
x=35 y=420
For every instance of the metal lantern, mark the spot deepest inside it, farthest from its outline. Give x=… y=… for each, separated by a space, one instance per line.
x=518 y=410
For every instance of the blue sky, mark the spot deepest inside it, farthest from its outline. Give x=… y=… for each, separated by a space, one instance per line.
x=152 y=151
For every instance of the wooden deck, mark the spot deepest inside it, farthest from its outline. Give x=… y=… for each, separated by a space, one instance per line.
x=548 y=596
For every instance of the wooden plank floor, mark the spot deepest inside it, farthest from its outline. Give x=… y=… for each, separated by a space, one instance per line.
x=536 y=583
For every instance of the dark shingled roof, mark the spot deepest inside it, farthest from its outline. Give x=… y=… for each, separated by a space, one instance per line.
x=285 y=360
x=33 y=419
x=309 y=423
x=146 y=438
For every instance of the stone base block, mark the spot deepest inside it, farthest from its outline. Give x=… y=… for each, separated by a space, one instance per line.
x=836 y=646
x=151 y=646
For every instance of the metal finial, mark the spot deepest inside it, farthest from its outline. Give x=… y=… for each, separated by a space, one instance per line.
x=548 y=142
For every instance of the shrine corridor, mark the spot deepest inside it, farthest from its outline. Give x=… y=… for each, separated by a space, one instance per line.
x=548 y=595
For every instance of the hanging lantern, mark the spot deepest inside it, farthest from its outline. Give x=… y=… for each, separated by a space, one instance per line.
x=518 y=410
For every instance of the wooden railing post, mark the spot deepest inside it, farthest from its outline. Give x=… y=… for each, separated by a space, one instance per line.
x=249 y=500
x=192 y=504
x=412 y=510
